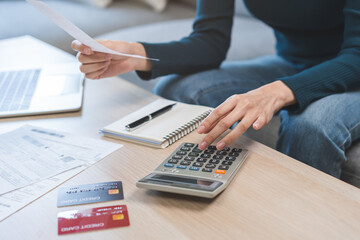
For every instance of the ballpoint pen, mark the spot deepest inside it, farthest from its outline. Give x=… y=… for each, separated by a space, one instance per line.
x=136 y=124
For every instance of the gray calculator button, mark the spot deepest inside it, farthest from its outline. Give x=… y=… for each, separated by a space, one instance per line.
x=234 y=154
x=214 y=161
x=221 y=153
x=198 y=164
x=230 y=158
x=181 y=153
x=189 y=144
x=196 y=149
x=236 y=150
x=212 y=147
x=185 y=149
x=207 y=151
x=174 y=161
x=218 y=157
x=226 y=162
x=193 y=154
x=207 y=170
x=185 y=163
x=222 y=167
x=177 y=157
x=210 y=165
x=205 y=155
x=189 y=158
x=202 y=160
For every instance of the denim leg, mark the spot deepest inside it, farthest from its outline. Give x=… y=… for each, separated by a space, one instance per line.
x=213 y=87
x=320 y=134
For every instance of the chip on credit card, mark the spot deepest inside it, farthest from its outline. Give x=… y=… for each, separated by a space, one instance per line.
x=75 y=221
x=90 y=193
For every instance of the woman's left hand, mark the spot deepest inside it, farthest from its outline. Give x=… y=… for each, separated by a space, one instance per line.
x=255 y=108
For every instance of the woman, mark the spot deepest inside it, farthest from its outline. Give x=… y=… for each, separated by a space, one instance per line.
x=314 y=79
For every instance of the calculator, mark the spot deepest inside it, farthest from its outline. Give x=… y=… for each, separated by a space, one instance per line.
x=191 y=171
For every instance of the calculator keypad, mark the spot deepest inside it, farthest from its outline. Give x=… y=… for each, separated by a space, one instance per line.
x=211 y=160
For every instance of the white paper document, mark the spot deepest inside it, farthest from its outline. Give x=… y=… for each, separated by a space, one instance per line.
x=12 y=202
x=34 y=160
x=31 y=154
x=76 y=32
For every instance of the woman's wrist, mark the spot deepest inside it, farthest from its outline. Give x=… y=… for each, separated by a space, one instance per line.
x=283 y=93
x=140 y=64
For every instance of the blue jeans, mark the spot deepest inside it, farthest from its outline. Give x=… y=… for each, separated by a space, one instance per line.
x=318 y=136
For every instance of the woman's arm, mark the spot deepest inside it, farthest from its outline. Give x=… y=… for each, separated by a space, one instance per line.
x=203 y=49
x=339 y=74
x=257 y=107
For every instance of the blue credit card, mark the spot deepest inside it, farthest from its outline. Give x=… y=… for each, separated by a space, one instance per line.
x=90 y=193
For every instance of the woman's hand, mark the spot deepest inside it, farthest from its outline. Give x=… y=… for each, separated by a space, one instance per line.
x=98 y=65
x=255 y=108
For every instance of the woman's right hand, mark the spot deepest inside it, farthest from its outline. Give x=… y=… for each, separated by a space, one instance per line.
x=98 y=65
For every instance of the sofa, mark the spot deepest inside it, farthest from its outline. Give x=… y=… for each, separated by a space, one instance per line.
x=20 y=18
x=133 y=21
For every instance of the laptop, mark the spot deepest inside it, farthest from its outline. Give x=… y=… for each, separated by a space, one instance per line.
x=50 y=89
x=32 y=89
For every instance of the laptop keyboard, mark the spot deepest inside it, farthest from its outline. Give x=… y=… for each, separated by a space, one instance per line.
x=17 y=89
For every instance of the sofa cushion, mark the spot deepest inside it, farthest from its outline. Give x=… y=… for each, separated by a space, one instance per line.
x=240 y=9
x=97 y=3
x=250 y=38
x=351 y=169
x=157 y=5
x=189 y=2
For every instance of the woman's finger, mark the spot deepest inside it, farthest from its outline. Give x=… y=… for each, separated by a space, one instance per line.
x=260 y=122
x=93 y=67
x=215 y=115
x=222 y=126
x=97 y=74
x=239 y=130
x=214 y=124
x=94 y=58
x=78 y=46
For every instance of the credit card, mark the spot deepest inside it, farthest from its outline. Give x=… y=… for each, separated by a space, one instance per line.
x=75 y=221
x=90 y=193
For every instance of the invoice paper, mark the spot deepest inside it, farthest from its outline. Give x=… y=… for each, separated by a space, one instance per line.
x=76 y=32
x=13 y=201
x=31 y=154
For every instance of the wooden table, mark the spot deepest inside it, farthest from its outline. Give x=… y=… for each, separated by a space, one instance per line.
x=271 y=197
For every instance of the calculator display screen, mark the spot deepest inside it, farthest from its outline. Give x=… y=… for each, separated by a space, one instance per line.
x=184 y=182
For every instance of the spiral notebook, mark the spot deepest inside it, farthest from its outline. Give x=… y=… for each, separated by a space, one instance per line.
x=163 y=130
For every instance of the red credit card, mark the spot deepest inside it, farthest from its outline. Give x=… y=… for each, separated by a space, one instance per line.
x=75 y=221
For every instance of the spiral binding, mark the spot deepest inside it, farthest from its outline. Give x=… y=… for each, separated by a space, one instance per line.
x=186 y=128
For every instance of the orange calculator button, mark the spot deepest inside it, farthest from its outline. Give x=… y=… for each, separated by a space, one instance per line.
x=220 y=171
